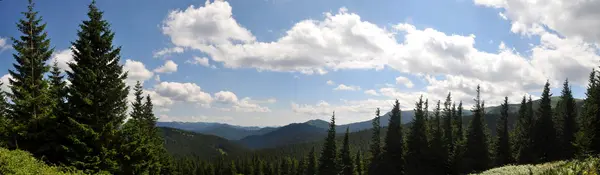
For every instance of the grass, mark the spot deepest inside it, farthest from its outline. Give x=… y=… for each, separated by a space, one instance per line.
x=589 y=166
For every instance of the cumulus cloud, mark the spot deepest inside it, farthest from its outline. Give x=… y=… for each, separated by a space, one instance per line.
x=198 y=118
x=168 y=51
x=343 y=87
x=329 y=82
x=62 y=58
x=168 y=67
x=185 y=92
x=371 y=92
x=4 y=44
x=5 y=83
x=244 y=105
x=203 y=61
x=404 y=81
x=136 y=71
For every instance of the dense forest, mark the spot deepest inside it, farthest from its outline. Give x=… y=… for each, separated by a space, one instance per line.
x=82 y=121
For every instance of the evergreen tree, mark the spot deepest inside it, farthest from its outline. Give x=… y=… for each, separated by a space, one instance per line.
x=448 y=138
x=347 y=164
x=523 y=138
x=417 y=145
x=569 y=127
x=393 y=155
x=231 y=169
x=502 y=148
x=328 y=161
x=55 y=125
x=458 y=129
x=586 y=136
x=359 y=164
x=545 y=143
x=437 y=148
x=31 y=103
x=301 y=167
x=311 y=165
x=4 y=122
x=97 y=97
x=375 y=147
x=477 y=157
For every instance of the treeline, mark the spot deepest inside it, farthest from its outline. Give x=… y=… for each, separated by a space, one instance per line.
x=76 y=120
x=436 y=143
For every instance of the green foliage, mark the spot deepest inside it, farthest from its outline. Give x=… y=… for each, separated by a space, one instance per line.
x=437 y=152
x=359 y=164
x=545 y=143
x=393 y=155
x=19 y=162
x=572 y=167
x=347 y=162
x=4 y=121
x=97 y=97
x=375 y=147
x=568 y=114
x=502 y=149
x=588 y=138
x=311 y=166
x=523 y=142
x=328 y=161
x=31 y=105
x=417 y=143
x=476 y=157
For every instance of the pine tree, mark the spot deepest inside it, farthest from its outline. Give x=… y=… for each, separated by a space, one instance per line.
x=347 y=164
x=328 y=161
x=545 y=142
x=31 y=103
x=569 y=127
x=477 y=157
x=231 y=170
x=375 y=147
x=311 y=165
x=458 y=129
x=502 y=144
x=586 y=136
x=4 y=122
x=523 y=140
x=97 y=97
x=417 y=143
x=437 y=148
x=359 y=164
x=393 y=155
x=448 y=138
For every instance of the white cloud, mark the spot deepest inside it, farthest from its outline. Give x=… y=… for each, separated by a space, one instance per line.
x=343 y=87
x=226 y=97
x=5 y=83
x=157 y=78
x=200 y=61
x=404 y=81
x=4 y=44
x=168 y=67
x=158 y=100
x=329 y=82
x=571 y=18
x=136 y=72
x=244 y=105
x=371 y=92
x=200 y=118
x=185 y=92
x=167 y=51
x=62 y=58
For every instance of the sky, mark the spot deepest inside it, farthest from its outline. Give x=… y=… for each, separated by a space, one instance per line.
x=274 y=62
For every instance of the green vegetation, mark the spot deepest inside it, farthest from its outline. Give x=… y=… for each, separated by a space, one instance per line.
x=586 y=166
x=21 y=163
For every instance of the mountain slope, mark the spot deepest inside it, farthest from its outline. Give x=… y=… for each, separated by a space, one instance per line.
x=286 y=135
x=230 y=132
x=180 y=143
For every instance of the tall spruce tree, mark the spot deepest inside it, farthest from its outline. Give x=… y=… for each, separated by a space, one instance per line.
x=328 y=161
x=97 y=97
x=55 y=126
x=523 y=137
x=375 y=147
x=359 y=164
x=545 y=142
x=458 y=128
x=417 y=160
x=476 y=158
x=569 y=127
x=347 y=164
x=311 y=163
x=4 y=122
x=502 y=150
x=437 y=148
x=31 y=103
x=448 y=138
x=393 y=155
x=586 y=140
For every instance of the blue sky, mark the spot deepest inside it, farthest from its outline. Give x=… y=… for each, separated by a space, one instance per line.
x=273 y=62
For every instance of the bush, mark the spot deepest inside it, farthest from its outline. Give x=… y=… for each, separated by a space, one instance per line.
x=19 y=162
x=589 y=166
